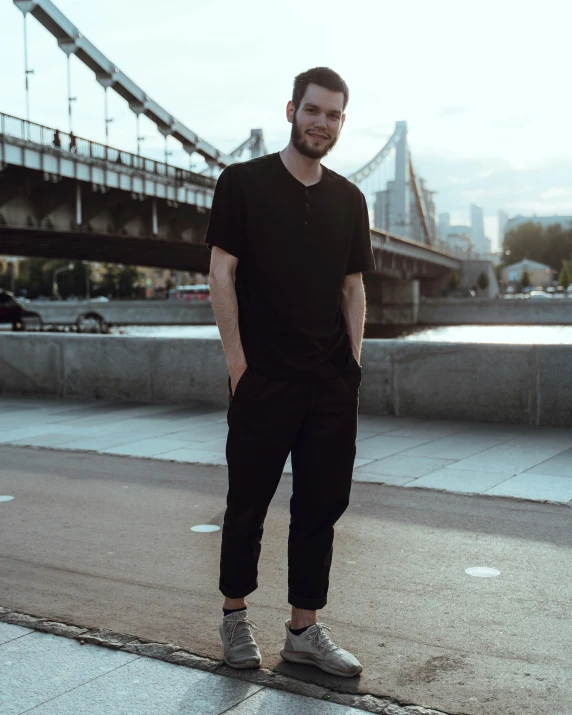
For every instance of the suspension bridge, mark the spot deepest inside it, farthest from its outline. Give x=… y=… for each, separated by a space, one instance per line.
x=70 y=197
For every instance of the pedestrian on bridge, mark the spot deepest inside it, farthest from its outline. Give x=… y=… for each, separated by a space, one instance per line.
x=290 y=239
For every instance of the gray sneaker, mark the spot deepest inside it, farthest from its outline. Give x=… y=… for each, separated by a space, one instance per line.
x=314 y=647
x=240 y=649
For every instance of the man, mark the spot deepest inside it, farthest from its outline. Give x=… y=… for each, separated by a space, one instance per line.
x=289 y=241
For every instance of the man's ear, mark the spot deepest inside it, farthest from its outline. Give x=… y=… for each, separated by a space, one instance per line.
x=343 y=120
x=290 y=111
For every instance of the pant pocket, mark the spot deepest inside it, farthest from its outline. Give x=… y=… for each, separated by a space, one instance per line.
x=240 y=385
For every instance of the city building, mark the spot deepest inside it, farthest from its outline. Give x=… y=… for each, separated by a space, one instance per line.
x=539 y=273
x=458 y=242
x=388 y=212
x=416 y=231
x=480 y=241
x=455 y=239
x=381 y=210
x=444 y=222
x=503 y=219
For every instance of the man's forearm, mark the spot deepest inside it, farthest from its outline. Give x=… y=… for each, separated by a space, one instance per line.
x=353 y=307
x=225 y=307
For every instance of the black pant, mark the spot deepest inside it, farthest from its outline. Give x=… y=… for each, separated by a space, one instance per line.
x=317 y=423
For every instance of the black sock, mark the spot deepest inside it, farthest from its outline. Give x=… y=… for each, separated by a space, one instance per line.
x=226 y=611
x=297 y=631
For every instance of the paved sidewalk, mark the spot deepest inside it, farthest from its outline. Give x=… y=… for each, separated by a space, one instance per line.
x=466 y=457
x=50 y=675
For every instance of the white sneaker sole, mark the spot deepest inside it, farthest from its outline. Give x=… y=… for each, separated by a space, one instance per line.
x=243 y=666
x=309 y=659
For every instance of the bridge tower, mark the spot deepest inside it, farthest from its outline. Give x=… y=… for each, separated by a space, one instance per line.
x=400 y=220
x=257 y=148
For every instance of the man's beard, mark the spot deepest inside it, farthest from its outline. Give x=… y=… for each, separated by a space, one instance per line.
x=298 y=139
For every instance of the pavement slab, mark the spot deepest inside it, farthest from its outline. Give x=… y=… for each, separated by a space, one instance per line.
x=105 y=541
x=9 y=632
x=46 y=674
x=55 y=670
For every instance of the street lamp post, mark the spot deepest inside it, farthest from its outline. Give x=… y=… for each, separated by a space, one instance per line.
x=140 y=137
x=27 y=70
x=11 y=261
x=167 y=152
x=87 y=279
x=55 y=290
x=108 y=119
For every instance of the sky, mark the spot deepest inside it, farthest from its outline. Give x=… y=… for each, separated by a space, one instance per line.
x=484 y=87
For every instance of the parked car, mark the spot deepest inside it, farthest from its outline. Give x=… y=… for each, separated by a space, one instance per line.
x=539 y=295
x=99 y=299
x=13 y=312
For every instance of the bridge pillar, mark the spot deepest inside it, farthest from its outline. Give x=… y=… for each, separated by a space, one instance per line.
x=78 y=206
x=401 y=222
x=154 y=220
x=434 y=287
x=391 y=302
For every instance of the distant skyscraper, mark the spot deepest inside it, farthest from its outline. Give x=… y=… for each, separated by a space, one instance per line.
x=417 y=232
x=480 y=242
x=457 y=240
x=503 y=219
x=381 y=210
x=444 y=221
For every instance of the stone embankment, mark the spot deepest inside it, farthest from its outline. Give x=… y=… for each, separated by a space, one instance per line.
x=495 y=311
x=519 y=384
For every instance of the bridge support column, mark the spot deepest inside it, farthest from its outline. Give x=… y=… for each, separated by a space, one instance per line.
x=154 y=221
x=78 y=213
x=400 y=302
x=433 y=287
x=391 y=302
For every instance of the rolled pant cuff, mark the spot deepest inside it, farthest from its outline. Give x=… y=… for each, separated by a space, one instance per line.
x=308 y=604
x=237 y=593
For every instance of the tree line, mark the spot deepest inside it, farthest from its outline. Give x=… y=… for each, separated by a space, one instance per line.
x=36 y=277
x=551 y=245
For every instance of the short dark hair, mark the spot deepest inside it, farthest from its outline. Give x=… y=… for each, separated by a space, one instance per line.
x=322 y=76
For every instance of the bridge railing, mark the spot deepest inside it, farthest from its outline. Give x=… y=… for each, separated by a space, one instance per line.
x=63 y=142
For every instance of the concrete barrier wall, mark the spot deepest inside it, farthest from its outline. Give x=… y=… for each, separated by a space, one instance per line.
x=496 y=311
x=492 y=383
x=432 y=311
x=132 y=312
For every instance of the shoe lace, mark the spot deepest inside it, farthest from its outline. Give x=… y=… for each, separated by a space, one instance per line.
x=317 y=634
x=243 y=634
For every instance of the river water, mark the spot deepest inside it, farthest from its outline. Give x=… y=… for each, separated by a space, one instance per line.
x=505 y=334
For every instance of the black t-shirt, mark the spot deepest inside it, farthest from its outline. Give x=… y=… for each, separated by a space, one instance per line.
x=295 y=245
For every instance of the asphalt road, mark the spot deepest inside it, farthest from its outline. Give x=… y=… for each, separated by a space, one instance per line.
x=105 y=541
